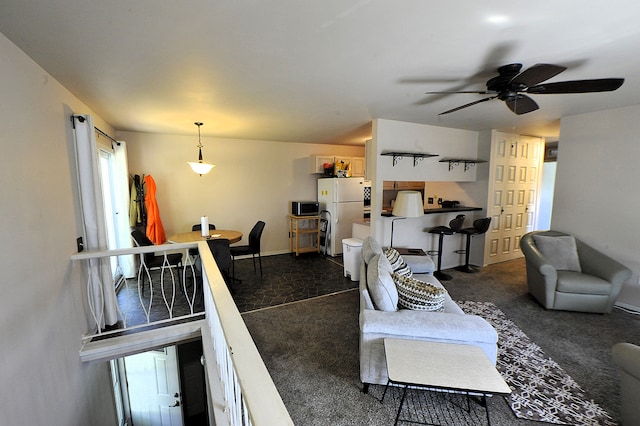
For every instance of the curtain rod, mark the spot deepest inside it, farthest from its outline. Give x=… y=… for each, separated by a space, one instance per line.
x=106 y=136
x=81 y=119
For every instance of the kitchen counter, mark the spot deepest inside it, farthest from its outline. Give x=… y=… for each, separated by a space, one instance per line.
x=441 y=210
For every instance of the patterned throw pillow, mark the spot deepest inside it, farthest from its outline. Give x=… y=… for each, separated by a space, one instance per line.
x=397 y=262
x=418 y=295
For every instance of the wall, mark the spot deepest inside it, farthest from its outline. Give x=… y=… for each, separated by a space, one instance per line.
x=596 y=193
x=253 y=180
x=41 y=313
x=389 y=135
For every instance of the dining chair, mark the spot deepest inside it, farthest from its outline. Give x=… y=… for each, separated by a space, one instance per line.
x=222 y=255
x=151 y=260
x=253 y=248
x=197 y=227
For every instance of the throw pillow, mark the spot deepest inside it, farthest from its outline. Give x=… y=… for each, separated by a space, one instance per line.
x=560 y=251
x=382 y=289
x=370 y=247
x=418 y=295
x=397 y=262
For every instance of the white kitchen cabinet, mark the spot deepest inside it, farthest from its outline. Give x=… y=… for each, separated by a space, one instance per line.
x=316 y=162
x=357 y=166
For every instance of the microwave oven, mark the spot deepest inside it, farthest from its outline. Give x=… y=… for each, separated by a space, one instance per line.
x=305 y=208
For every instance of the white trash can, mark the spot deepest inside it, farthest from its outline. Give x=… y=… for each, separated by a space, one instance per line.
x=351 y=254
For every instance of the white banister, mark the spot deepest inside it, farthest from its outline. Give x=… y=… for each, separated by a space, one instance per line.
x=177 y=281
x=250 y=397
x=240 y=389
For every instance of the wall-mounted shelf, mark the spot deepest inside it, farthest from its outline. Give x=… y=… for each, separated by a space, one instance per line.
x=467 y=162
x=417 y=156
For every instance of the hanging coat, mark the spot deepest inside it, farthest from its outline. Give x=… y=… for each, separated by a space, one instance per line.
x=155 y=231
x=134 y=211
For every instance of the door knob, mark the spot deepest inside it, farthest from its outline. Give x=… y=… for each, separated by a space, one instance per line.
x=176 y=404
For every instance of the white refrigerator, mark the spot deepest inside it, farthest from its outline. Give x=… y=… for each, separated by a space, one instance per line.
x=343 y=199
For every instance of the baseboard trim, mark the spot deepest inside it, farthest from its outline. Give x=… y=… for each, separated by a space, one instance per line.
x=627 y=308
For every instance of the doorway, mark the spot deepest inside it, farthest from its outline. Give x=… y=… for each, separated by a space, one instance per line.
x=548 y=185
x=113 y=169
x=165 y=386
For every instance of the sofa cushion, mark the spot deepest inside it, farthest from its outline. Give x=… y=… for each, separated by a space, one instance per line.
x=560 y=251
x=370 y=247
x=418 y=295
x=397 y=262
x=380 y=283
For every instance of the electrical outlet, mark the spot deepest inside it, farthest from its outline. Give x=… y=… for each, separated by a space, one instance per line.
x=439 y=201
x=430 y=200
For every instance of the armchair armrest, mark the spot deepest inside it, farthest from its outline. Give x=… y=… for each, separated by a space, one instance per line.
x=537 y=260
x=596 y=263
x=419 y=264
x=427 y=325
x=627 y=357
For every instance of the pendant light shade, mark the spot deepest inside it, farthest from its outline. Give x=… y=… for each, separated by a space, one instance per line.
x=200 y=167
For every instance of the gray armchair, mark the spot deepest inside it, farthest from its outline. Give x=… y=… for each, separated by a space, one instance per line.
x=627 y=358
x=593 y=286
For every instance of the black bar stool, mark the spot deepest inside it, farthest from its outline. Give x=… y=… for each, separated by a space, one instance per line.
x=480 y=226
x=454 y=226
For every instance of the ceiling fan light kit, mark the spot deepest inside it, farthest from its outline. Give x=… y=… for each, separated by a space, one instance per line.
x=513 y=87
x=200 y=167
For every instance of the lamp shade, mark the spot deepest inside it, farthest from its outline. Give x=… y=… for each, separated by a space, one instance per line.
x=201 y=168
x=408 y=204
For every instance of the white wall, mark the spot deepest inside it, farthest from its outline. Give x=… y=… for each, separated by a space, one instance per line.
x=252 y=180
x=596 y=193
x=41 y=311
x=457 y=184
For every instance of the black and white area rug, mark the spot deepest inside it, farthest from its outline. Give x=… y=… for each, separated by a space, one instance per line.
x=541 y=389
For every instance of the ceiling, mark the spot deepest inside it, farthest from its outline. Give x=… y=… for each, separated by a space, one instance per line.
x=320 y=71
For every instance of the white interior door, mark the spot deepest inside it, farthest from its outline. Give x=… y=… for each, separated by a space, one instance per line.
x=154 y=388
x=514 y=182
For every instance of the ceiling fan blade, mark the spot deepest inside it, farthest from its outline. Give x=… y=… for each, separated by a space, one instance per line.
x=477 y=92
x=521 y=104
x=468 y=105
x=578 y=86
x=537 y=74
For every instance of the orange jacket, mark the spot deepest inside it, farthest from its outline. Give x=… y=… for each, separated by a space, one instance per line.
x=155 y=231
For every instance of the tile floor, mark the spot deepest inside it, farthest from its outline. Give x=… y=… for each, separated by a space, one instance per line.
x=286 y=278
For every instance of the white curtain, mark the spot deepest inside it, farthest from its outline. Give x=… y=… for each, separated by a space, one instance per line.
x=102 y=293
x=121 y=188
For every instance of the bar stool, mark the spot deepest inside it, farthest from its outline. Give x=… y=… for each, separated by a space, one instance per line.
x=454 y=226
x=480 y=226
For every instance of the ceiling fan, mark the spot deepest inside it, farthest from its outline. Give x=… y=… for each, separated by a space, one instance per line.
x=512 y=86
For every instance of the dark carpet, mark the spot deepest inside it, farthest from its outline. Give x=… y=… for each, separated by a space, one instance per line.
x=311 y=347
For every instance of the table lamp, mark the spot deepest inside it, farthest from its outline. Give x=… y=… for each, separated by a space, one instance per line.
x=407 y=204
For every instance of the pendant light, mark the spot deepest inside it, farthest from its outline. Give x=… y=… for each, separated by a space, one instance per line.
x=200 y=167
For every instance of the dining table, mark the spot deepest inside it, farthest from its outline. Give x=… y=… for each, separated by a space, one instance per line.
x=195 y=236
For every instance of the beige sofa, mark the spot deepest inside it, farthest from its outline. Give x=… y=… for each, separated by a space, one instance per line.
x=450 y=326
